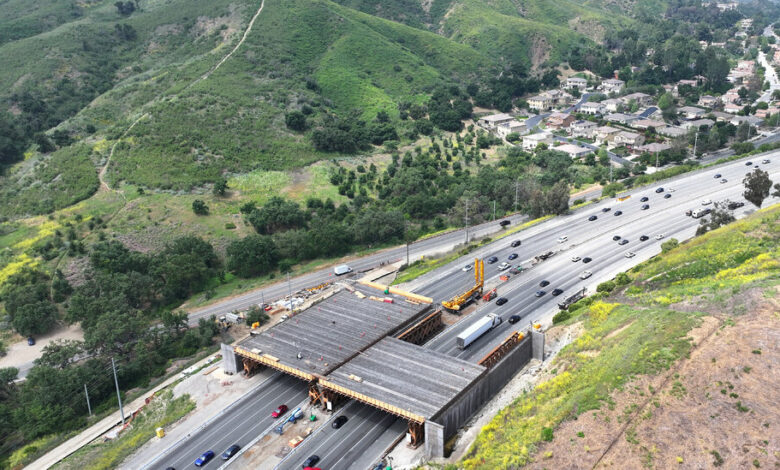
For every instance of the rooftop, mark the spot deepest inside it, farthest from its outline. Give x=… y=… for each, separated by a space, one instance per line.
x=497 y=117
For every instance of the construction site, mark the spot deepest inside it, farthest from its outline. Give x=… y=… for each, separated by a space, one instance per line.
x=362 y=341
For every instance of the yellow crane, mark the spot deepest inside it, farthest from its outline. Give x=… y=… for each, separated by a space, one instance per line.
x=457 y=302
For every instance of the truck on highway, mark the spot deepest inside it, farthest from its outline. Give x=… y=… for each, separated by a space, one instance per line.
x=698 y=213
x=580 y=294
x=343 y=269
x=470 y=334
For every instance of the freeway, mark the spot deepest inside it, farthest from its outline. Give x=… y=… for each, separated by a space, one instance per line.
x=585 y=238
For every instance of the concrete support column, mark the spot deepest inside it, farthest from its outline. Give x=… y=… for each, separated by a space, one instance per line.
x=230 y=361
x=537 y=345
x=434 y=440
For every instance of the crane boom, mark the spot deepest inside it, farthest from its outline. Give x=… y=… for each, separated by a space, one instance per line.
x=457 y=302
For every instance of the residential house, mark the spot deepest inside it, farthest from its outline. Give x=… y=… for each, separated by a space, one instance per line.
x=541 y=102
x=613 y=85
x=641 y=99
x=530 y=142
x=732 y=108
x=697 y=124
x=765 y=113
x=647 y=124
x=655 y=147
x=592 y=108
x=720 y=116
x=708 y=101
x=690 y=83
x=628 y=139
x=671 y=89
x=605 y=134
x=776 y=56
x=583 y=128
x=691 y=112
x=559 y=97
x=490 y=122
x=621 y=118
x=559 y=120
x=731 y=96
x=612 y=105
x=752 y=120
x=506 y=128
x=672 y=131
x=573 y=151
x=738 y=76
x=575 y=83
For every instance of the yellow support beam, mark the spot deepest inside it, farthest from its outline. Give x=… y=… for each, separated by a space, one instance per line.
x=397 y=291
x=273 y=362
x=372 y=401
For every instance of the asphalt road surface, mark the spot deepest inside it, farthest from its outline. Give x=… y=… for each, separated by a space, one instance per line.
x=341 y=448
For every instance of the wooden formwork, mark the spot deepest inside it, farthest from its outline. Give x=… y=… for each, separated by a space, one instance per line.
x=422 y=330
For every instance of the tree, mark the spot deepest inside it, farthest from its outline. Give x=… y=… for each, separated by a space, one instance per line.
x=35 y=318
x=718 y=218
x=220 y=187
x=199 y=207
x=757 y=186
x=295 y=120
x=60 y=353
x=777 y=190
x=252 y=256
x=278 y=214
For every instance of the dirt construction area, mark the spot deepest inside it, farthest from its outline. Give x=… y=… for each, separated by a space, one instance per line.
x=718 y=408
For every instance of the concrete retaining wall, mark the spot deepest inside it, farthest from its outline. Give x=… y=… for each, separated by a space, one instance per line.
x=230 y=362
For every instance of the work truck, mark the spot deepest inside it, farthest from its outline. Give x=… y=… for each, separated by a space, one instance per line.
x=472 y=333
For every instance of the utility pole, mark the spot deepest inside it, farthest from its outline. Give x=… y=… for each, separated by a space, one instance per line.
x=695 y=141
x=494 y=210
x=289 y=289
x=610 y=170
x=118 y=396
x=517 y=189
x=467 y=221
x=89 y=407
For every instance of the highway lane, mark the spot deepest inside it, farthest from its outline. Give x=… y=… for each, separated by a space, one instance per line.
x=247 y=419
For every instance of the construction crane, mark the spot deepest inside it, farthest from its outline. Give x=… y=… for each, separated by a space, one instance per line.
x=456 y=303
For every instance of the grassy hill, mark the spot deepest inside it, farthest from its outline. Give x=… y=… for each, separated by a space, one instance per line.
x=653 y=355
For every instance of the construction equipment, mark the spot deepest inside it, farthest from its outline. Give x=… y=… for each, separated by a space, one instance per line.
x=294 y=416
x=580 y=294
x=222 y=323
x=491 y=294
x=458 y=302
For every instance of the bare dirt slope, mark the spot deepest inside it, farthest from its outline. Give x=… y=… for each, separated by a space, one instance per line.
x=718 y=408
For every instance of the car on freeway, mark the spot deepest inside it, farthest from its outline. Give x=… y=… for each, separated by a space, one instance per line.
x=503 y=266
x=765 y=162
x=30 y=341
x=204 y=458
x=629 y=254
x=230 y=452
x=562 y=239
x=617 y=213
x=644 y=238
x=492 y=259
x=706 y=202
x=586 y=260
x=671 y=190
x=735 y=205
x=645 y=207
x=585 y=274
x=516 y=270
x=689 y=212
x=606 y=209
x=616 y=238
x=659 y=190
x=644 y=199
x=311 y=461
x=724 y=180
x=660 y=236
x=501 y=301
x=516 y=243
x=556 y=292
x=338 y=422
x=540 y=293
x=279 y=411
x=592 y=218
x=667 y=196
x=748 y=163
x=623 y=242
x=717 y=175
x=504 y=223
x=574 y=259
x=512 y=256
x=468 y=267
x=544 y=283
x=514 y=319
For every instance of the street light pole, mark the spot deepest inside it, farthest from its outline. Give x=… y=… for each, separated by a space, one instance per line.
x=118 y=396
x=467 y=221
x=89 y=407
x=517 y=189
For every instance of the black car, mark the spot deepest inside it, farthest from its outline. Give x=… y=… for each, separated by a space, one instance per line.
x=540 y=293
x=557 y=292
x=586 y=260
x=618 y=213
x=667 y=195
x=338 y=422
x=717 y=175
x=592 y=218
x=492 y=259
x=230 y=452
x=616 y=238
x=735 y=205
x=748 y=163
x=504 y=223
x=544 y=283
x=514 y=319
x=644 y=238
x=501 y=301
x=644 y=199
x=659 y=190
x=516 y=243
x=623 y=242
x=606 y=209
x=512 y=256
x=311 y=461
x=30 y=341
x=645 y=207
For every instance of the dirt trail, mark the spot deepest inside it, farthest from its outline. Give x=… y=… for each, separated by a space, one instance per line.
x=102 y=174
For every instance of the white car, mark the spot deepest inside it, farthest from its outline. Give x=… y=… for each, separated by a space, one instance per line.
x=630 y=254
x=764 y=161
x=585 y=274
x=562 y=239
x=468 y=267
x=671 y=190
x=660 y=236
x=574 y=259
x=503 y=266
x=706 y=202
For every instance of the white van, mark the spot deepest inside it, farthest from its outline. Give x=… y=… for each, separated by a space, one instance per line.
x=343 y=269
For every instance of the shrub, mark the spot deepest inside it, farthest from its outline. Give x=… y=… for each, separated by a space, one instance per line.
x=230 y=226
x=199 y=207
x=669 y=245
x=608 y=286
x=547 y=434
x=561 y=317
x=622 y=279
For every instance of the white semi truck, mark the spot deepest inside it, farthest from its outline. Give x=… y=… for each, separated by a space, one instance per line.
x=470 y=334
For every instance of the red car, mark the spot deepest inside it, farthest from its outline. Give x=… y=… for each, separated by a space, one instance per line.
x=282 y=409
